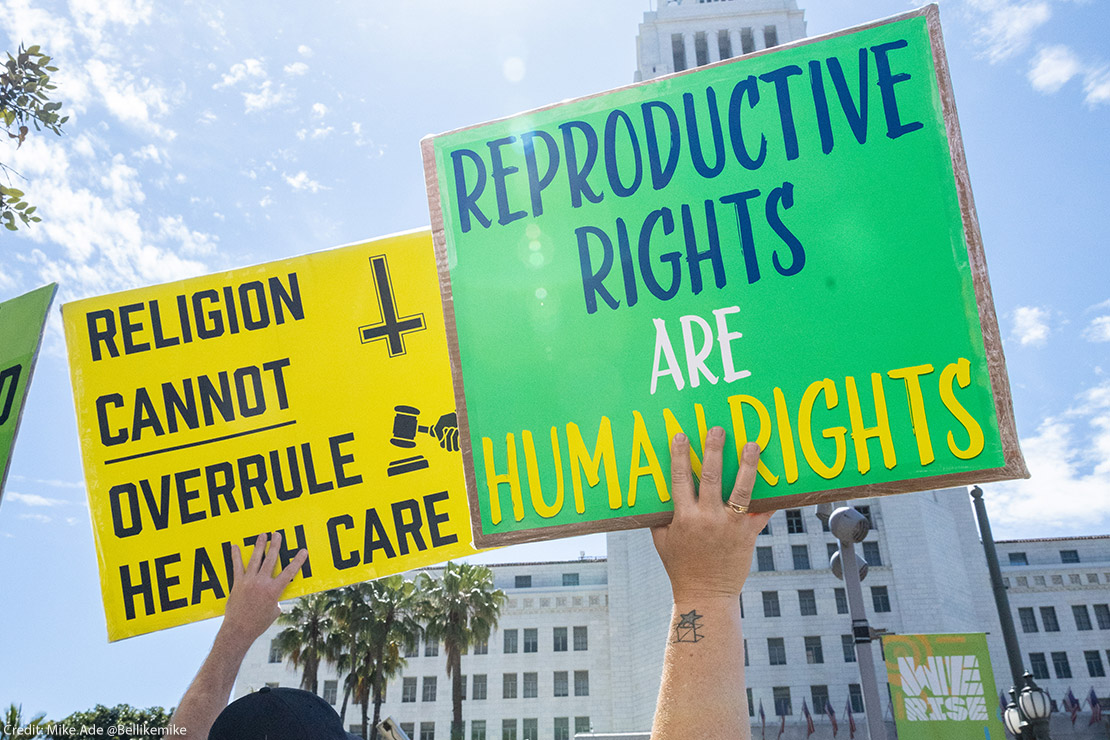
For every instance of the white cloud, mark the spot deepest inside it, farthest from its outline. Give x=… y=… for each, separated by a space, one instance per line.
x=316 y=133
x=1098 y=330
x=1031 y=325
x=301 y=181
x=93 y=16
x=266 y=97
x=134 y=102
x=304 y=51
x=43 y=518
x=319 y=110
x=1053 y=67
x=1006 y=28
x=266 y=201
x=1069 y=460
x=296 y=69
x=245 y=69
x=33 y=499
x=191 y=243
x=1096 y=86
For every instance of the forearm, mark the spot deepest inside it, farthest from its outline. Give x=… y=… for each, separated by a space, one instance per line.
x=702 y=691
x=209 y=692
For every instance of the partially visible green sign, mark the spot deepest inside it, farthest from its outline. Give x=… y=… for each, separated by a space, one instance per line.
x=22 y=321
x=782 y=244
x=942 y=687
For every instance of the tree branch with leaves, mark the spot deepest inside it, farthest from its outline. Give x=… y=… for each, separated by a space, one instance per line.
x=25 y=89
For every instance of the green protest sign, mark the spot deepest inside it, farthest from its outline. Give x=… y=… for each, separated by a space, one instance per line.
x=783 y=244
x=22 y=321
x=942 y=686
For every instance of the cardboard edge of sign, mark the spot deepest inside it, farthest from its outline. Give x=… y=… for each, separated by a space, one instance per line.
x=1014 y=466
x=53 y=288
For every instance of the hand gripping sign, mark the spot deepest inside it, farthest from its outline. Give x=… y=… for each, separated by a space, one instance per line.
x=783 y=244
x=310 y=395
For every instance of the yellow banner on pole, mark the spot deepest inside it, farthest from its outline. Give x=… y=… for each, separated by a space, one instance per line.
x=310 y=395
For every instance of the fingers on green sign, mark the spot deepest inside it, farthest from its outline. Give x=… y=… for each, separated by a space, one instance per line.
x=22 y=321
x=782 y=244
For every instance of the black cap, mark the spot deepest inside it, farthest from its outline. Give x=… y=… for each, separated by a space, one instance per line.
x=279 y=714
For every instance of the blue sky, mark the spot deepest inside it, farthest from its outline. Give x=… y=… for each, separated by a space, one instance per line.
x=206 y=135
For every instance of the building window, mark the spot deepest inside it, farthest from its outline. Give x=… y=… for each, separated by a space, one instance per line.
x=408 y=689
x=776 y=650
x=1039 y=665
x=781 y=696
x=800 y=553
x=531 y=729
x=1060 y=665
x=561 y=683
x=820 y=697
x=1082 y=617
x=1018 y=558
x=523 y=582
x=678 y=51
x=1028 y=619
x=814 y=653
x=531 y=640
x=1102 y=616
x=741 y=604
x=1038 y=580
x=848 y=643
x=1048 y=619
x=841 y=600
x=562 y=728
x=581 y=724
x=871 y=554
x=331 y=689
x=794 y=523
x=855 y=697
x=531 y=685
x=462 y=687
x=427 y=731
x=481 y=648
x=570 y=579
x=766 y=528
x=1094 y=664
x=746 y=653
x=510 y=641
x=581 y=639
x=771 y=604
x=508 y=686
x=431 y=649
x=508 y=729
x=764 y=559
x=429 y=690
x=1069 y=556
x=807 y=602
x=477 y=729
x=559 y=640
x=880 y=599
x=866 y=511
x=275 y=652
x=581 y=683
x=407 y=727
x=478 y=687
x=724 y=45
x=747 y=41
x=751 y=709
x=701 y=49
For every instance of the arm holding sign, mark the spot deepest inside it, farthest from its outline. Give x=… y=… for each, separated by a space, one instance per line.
x=251 y=608
x=707 y=552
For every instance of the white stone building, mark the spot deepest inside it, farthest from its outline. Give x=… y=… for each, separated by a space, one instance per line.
x=683 y=34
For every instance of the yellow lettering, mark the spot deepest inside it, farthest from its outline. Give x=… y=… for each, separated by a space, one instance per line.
x=860 y=433
x=911 y=375
x=538 y=502
x=786 y=437
x=805 y=430
x=961 y=372
x=740 y=432
x=642 y=443
x=603 y=454
x=493 y=479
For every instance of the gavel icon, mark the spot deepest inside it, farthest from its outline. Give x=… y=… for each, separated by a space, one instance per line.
x=406 y=425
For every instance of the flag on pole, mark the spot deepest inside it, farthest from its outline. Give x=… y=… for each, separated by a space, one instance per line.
x=810 y=729
x=1071 y=704
x=762 y=722
x=851 y=719
x=832 y=716
x=1096 y=708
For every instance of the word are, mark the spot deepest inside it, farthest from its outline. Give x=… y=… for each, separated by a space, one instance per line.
x=193 y=495
x=666 y=363
x=184 y=405
x=205 y=314
x=403 y=522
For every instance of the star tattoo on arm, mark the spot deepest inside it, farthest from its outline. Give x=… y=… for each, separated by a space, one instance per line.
x=686 y=629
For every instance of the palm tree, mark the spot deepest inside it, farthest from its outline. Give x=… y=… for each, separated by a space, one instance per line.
x=462 y=609
x=12 y=723
x=305 y=638
x=377 y=618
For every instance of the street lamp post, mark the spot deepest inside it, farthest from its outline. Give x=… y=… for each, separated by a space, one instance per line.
x=1027 y=714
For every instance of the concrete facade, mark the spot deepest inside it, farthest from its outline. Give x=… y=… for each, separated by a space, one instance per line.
x=683 y=34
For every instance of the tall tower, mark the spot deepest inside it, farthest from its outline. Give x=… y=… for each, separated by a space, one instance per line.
x=683 y=34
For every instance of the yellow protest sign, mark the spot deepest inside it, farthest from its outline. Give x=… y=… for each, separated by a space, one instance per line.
x=310 y=395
